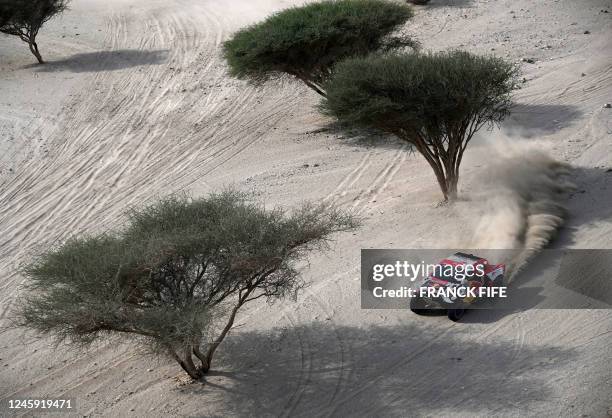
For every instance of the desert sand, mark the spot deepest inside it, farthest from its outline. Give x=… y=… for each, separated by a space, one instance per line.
x=135 y=103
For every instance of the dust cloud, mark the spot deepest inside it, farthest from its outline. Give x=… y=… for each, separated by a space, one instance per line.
x=524 y=206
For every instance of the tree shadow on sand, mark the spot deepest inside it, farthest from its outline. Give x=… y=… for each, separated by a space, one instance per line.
x=536 y=120
x=105 y=61
x=325 y=369
x=589 y=204
x=359 y=137
x=525 y=120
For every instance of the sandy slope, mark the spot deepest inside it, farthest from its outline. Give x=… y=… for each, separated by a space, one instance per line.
x=139 y=105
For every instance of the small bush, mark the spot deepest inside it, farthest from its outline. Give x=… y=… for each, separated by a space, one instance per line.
x=436 y=101
x=307 y=41
x=25 y=18
x=176 y=275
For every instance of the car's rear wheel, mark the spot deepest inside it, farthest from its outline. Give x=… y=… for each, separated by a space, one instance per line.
x=417 y=305
x=456 y=314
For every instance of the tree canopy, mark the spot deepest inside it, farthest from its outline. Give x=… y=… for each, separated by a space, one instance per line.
x=176 y=275
x=307 y=41
x=24 y=18
x=434 y=101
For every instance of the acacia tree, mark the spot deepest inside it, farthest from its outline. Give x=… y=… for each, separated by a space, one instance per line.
x=176 y=276
x=436 y=102
x=306 y=42
x=24 y=18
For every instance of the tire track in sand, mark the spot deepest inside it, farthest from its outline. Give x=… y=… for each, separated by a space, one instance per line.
x=131 y=134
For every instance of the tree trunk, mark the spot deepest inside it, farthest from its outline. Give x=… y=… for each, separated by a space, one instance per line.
x=451 y=185
x=187 y=363
x=447 y=179
x=192 y=371
x=309 y=82
x=34 y=49
x=444 y=161
x=439 y=172
x=196 y=372
x=205 y=367
x=317 y=89
x=213 y=347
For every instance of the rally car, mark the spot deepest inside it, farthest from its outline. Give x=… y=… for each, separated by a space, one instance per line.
x=434 y=292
